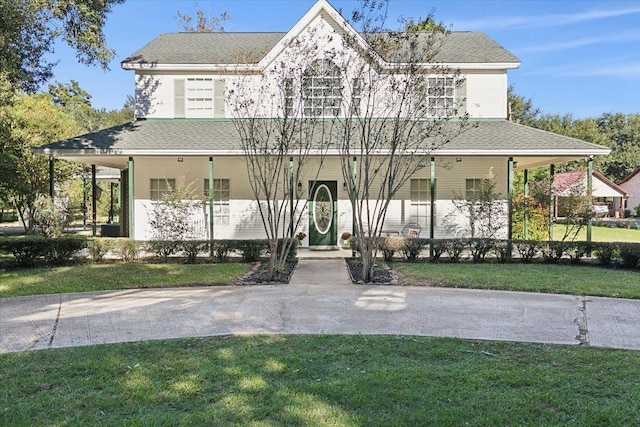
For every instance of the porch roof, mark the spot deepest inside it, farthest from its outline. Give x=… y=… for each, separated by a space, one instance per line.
x=212 y=137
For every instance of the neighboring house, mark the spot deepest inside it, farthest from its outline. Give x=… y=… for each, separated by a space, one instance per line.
x=631 y=184
x=184 y=127
x=608 y=198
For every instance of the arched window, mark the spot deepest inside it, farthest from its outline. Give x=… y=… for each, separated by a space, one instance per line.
x=322 y=85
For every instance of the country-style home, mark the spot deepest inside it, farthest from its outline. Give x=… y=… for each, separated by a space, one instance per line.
x=184 y=128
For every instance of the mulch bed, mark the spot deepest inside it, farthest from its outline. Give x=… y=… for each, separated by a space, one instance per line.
x=257 y=275
x=382 y=273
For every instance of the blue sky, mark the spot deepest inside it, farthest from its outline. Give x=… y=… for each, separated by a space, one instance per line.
x=578 y=57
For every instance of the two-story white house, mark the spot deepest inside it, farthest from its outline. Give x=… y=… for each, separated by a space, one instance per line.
x=185 y=130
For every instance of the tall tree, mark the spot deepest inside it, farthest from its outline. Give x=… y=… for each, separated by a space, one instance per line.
x=29 y=27
x=521 y=109
x=420 y=110
x=623 y=135
x=31 y=120
x=281 y=147
x=203 y=22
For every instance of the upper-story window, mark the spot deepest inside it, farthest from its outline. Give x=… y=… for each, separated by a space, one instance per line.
x=441 y=100
x=322 y=86
x=199 y=97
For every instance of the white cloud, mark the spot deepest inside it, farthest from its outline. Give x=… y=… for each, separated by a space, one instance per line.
x=570 y=44
x=521 y=22
x=628 y=70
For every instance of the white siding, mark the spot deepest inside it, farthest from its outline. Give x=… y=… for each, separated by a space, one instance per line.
x=633 y=188
x=487 y=95
x=245 y=222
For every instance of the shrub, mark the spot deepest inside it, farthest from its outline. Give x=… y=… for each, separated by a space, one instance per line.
x=412 y=247
x=222 y=249
x=61 y=250
x=555 y=250
x=390 y=245
x=127 y=250
x=455 y=247
x=528 y=249
x=629 y=254
x=577 y=250
x=51 y=219
x=163 y=248
x=28 y=250
x=605 y=252
x=438 y=248
x=480 y=248
x=98 y=248
x=192 y=248
x=251 y=250
x=503 y=249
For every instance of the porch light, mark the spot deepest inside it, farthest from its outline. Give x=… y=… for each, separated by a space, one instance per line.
x=299 y=186
x=344 y=186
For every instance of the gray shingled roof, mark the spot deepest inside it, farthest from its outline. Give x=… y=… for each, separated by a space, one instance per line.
x=222 y=136
x=248 y=48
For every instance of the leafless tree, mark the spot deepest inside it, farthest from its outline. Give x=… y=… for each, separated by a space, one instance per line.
x=399 y=106
x=281 y=147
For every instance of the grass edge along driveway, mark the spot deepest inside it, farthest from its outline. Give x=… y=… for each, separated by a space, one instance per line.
x=544 y=278
x=102 y=277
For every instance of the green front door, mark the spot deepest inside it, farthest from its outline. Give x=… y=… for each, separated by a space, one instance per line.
x=323 y=214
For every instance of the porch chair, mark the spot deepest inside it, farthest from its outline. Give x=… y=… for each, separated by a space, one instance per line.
x=411 y=229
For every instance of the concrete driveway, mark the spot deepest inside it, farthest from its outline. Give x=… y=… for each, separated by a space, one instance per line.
x=319 y=300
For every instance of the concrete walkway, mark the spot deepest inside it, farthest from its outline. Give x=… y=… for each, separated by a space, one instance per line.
x=319 y=300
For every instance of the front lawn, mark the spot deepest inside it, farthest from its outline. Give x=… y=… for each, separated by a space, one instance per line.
x=321 y=381
x=101 y=277
x=551 y=278
x=601 y=234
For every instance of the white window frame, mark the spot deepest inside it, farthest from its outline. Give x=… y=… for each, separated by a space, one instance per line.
x=472 y=186
x=322 y=88
x=441 y=96
x=221 y=198
x=420 y=200
x=199 y=97
x=158 y=187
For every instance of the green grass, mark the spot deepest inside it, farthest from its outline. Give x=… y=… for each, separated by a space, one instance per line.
x=601 y=234
x=560 y=279
x=321 y=381
x=99 y=277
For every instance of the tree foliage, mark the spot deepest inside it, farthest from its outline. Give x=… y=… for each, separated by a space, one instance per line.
x=31 y=121
x=484 y=211
x=29 y=28
x=620 y=132
x=202 y=22
x=389 y=152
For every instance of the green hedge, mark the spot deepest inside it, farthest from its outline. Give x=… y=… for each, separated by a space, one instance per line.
x=34 y=250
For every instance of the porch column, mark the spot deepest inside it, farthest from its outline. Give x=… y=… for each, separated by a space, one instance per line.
x=211 y=249
x=510 y=166
x=94 y=201
x=432 y=200
x=51 y=177
x=590 y=202
x=526 y=204
x=110 y=220
x=552 y=200
x=131 y=198
x=291 y=187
